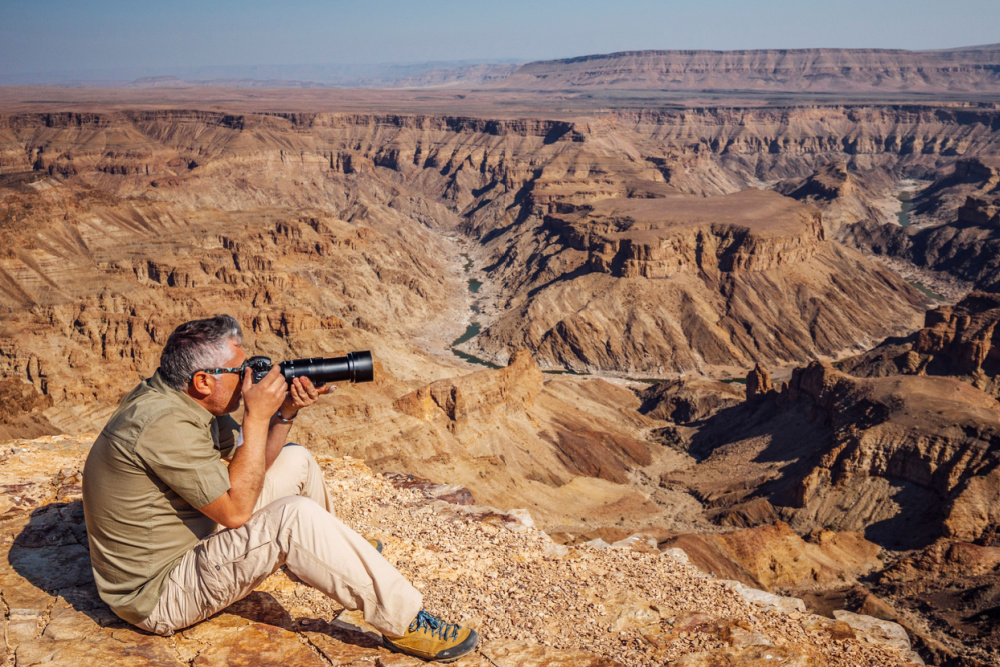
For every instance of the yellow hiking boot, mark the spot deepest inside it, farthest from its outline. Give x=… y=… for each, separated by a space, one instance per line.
x=430 y=638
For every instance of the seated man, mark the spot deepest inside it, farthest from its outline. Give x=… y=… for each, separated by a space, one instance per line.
x=155 y=489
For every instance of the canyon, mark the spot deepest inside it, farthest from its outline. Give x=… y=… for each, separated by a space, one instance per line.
x=703 y=324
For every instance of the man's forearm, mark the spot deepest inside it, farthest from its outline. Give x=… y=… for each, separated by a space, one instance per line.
x=277 y=437
x=246 y=472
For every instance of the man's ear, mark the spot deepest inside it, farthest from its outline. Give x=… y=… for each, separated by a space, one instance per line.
x=202 y=384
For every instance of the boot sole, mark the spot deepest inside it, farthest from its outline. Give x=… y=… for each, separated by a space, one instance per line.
x=444 y=656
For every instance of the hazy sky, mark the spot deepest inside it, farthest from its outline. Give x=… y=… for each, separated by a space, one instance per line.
x=64 y=35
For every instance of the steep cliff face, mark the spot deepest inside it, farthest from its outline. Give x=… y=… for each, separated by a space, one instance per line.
x=93 y=291
x=967 y=244
x=698 y=152
x=941 y=200
x=954 y=220
x=781 y=143
x=958 y=341
x=935 y=440
x=688 y=400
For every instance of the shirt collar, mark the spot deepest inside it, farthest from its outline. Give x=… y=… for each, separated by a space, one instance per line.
x=182 y=400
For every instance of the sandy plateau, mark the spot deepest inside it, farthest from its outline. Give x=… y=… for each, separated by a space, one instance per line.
x=712 y=344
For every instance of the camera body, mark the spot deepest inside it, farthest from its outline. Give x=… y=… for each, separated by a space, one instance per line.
x=355 y=367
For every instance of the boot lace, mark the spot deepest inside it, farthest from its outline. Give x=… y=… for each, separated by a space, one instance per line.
x=434 y=626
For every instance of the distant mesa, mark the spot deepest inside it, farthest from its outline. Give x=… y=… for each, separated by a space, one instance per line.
x=972 y=69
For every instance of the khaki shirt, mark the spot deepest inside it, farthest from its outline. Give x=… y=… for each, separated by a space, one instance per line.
x=158 y=459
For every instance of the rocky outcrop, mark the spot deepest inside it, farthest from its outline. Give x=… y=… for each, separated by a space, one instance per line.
x=568 y=449
x=532 y=601
x=955 y=231
x=940 y=200
x=954 y=586
x=957 y=341
x=576 y=444
x=852 y=202
x=775 y=557
x=935 y=440
x=758 y=383
x=688 y=399
x=114 y=180
x=513 y=388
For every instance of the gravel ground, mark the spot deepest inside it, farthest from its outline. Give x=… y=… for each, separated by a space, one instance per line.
x=508 y=580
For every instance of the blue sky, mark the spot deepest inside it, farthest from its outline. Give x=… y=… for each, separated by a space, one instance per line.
x=159 y=37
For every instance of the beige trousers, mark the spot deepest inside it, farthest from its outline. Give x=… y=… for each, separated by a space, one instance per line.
x=292 y=524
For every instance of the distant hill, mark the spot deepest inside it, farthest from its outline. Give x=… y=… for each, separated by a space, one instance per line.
x=961 y=70
x=967 y=69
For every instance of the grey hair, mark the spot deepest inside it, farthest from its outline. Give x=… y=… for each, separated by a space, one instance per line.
x=196 y=345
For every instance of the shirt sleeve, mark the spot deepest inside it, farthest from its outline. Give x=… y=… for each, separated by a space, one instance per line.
x=228 y=434
x=183 y=455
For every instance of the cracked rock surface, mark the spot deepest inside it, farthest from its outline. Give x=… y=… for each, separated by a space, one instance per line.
x=534 y=603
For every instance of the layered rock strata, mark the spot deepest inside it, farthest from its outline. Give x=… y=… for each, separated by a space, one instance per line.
x=849 y=201
x=794 y=70
x=115 y=180
x=955 y=225
x=688 y=400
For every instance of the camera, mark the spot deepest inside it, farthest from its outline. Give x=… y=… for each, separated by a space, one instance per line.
x=355 y=367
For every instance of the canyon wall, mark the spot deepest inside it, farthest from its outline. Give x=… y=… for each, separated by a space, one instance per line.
x=167 y=201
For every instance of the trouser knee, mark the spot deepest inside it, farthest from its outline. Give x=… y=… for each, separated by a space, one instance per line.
x=297 y=452
x=293 y=511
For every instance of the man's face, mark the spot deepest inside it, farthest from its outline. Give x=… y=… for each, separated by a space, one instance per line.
x=227 y=393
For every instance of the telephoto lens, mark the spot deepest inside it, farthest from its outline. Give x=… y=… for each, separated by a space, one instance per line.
x=355 y=367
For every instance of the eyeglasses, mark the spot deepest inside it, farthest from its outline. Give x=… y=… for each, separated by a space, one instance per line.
x=217 y=371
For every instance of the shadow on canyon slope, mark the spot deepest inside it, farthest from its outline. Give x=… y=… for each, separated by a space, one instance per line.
x=760 y=450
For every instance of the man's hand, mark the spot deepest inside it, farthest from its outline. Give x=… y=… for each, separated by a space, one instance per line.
x=302 y=394
x=261 y=400
x=246 y=472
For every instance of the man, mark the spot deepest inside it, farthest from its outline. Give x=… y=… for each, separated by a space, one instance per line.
x=155 y=491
